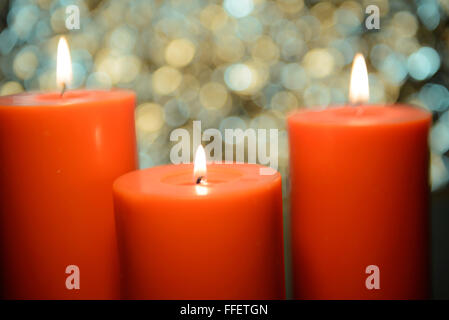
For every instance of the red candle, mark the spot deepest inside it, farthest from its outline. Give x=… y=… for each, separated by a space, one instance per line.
x=359 y=190
x=59 y=157
x=181 y=237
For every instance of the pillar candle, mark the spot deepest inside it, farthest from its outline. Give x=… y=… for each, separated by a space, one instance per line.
x=359 y=193
x=59 y=154
x=180 y=240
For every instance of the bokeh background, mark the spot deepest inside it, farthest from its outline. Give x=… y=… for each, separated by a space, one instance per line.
x=242 y=64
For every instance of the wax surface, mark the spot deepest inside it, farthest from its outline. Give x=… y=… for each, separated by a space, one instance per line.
x=182 y=241
x=58 y=159
x=359 y=192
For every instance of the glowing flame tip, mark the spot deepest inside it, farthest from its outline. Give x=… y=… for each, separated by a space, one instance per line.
x=199 y=165
x=359 y=86
x=63 y=64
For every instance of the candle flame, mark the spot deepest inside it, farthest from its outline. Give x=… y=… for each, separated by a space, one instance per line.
x=199 y=165
x=359 y=87
x=63 y=64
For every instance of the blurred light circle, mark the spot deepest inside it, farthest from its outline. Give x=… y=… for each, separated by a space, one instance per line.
x=166 y=80
x=210 y=118
x=293 y=76
x=176 y=112
x=323 y=11
x=83 y=57
x=57 y=20
x=112 y=66
x=406 y=46
x=310 y=27
x=189 y=88
x=345 y=49
x=284 y=101
x=439 y=138
x=229 y=48
x=265 y=49
x=238 y=77
x=346 y=22
x=149 y=117
x=46 y=80
x=11 y=87
x=213 y=95
x=376 y=89
x=238 y=8
x=25 y=64
x=79 y=75
x=429 y=13
x=339 y=60
x=378 y=54
x=213 y=17
x=434 y=96
x=249 y=28
x=270 y=13
x=24 y=19
x=260 y=71
x=232 y=123
x=98 y=80
x=439 y=171
x=318 y=63
x=8 y=40
x=424 y=63
x=145 y=160
x=263 y=121
x=179 y=52
x=123 y=38
x=406 y=24
x=130 y=66
x=394 y=67
x=292 y=49
x=317 y=95
x=290 y=6
x=43 y=29
x=285 y=30
x=337 y=96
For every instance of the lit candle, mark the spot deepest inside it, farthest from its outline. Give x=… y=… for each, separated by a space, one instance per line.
x=214 y=235
x=359 y=192
x=60 y=153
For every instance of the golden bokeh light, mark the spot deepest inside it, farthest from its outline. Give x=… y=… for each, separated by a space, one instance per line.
x=166 y=80
x=179 y=53
x=318 y=63
x=213 y=95
x=11 y=87
x=149 y=117
x=25 y=64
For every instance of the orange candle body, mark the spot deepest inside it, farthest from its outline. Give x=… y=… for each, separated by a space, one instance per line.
x=178 y=240
x=58 y=159
x=359 y=192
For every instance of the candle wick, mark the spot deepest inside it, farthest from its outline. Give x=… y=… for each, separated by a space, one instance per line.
x=63 y=89
x=199 y=179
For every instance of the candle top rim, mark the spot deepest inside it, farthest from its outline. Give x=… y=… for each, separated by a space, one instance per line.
x=177 y=181
x=365 y=115
x=70 y=97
